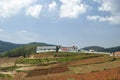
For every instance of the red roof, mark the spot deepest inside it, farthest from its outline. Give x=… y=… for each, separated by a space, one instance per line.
x=64 y=49
x=117 y=53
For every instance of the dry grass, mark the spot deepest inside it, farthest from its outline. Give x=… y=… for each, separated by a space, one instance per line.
x=6 y=62
x=95 y=67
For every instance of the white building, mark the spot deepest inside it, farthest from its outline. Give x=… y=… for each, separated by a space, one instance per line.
x=41 y=49
x=68 y=49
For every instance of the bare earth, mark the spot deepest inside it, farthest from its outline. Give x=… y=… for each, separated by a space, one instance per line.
x=76 y=70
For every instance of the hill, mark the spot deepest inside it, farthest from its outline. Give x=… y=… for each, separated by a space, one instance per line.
x=102 y=49
x=96 y=48
x=5 y=46
x=112 y=49
x=23 y=50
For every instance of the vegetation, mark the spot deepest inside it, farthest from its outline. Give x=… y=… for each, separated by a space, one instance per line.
x=102 y=49
x=24 y=51
x=8 y=49
x=6 y=76
x=5 y=46
x=11 y=68
x=60 y=62
x=60 y=57
x=96 y=48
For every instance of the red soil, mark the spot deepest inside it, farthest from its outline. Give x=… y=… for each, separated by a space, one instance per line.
x=111 y=74
x=57 y=72
x=47 y=71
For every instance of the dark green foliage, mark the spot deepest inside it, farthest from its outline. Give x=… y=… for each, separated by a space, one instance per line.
x=5 y=46
x=96 y=48
x=57 y=48
x=113 y=49
x=24 y=51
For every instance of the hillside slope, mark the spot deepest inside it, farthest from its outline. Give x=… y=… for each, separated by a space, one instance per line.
x=5 y=46
x=96 y=48
x=102 y=49
x=24 y=50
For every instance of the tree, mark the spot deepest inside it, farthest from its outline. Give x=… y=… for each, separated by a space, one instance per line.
x=57 y=48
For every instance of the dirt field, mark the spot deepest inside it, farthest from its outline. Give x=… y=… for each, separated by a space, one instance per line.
x=6 y=62
x=107 y=71
x=96 y=68
x=110 y=74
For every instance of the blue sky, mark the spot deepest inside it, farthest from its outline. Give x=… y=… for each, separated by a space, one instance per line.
x=62 y=22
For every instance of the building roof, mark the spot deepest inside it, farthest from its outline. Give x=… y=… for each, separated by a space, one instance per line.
x=46 y=47
x=117 y=53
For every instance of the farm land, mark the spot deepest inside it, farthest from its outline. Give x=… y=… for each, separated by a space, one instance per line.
x=61 y=66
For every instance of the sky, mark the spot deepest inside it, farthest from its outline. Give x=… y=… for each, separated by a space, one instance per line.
x=62 y=22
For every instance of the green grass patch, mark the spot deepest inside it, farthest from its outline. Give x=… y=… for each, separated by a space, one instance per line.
x=28 y=61
x=58 y=57
x=11 y=68
x=6 y=76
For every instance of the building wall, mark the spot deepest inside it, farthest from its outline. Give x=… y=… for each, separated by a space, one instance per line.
x=41 y=49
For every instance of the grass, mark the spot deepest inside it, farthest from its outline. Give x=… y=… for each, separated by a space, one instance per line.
x=60 y=57
x=95 y=66
x=11 y=68
x=6 y=76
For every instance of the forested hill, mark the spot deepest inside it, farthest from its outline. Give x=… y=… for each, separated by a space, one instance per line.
x=113 y=49
x=20 y=49
x=96 y=48
x=5 y=46
x=102 y=49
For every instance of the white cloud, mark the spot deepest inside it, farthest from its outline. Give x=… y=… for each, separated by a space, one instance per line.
x=52 y=6
x=71 y=8
x=111 y=6
x=106 y=5
x=34 y=11
x=93 y=17
x=111 y=19
x=12 y=7
x=1 y=30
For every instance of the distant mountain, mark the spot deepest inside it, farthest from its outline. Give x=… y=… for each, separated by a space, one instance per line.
x=20 y=49
x=112 y=49
x=5 y=46
x=96 y=48
x=102 y=49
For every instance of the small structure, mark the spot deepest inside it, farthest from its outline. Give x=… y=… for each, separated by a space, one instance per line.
x=41 y=49
x=91 y=51
x=68 y=49
x=117 y=53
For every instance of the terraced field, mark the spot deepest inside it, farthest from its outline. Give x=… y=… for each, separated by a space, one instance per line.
x=67 y=66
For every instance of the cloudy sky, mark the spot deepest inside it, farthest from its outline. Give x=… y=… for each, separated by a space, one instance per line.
x=62 y=22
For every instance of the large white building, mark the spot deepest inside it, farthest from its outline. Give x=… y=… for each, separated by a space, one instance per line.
x=41 y=49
